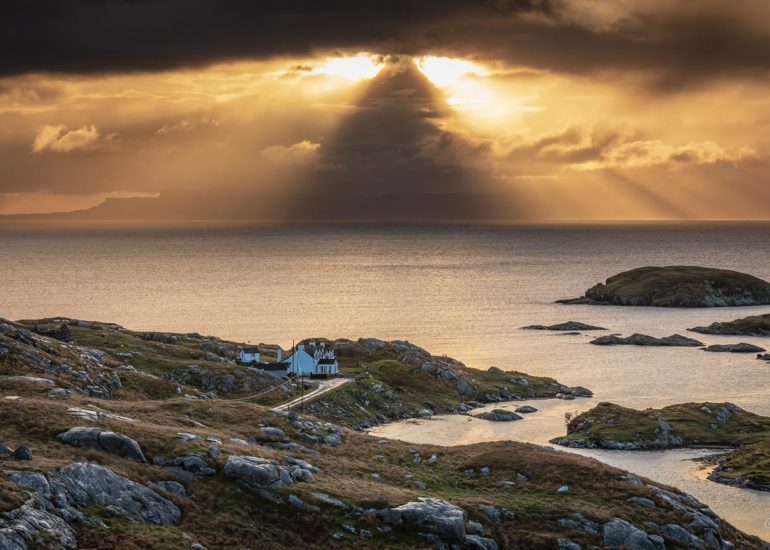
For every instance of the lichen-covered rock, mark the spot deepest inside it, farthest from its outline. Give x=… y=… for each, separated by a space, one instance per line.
x=620 y=533
x=257 y=473
x=82 y=485
x=436 y=516
x=30 y=527
x=110 y=442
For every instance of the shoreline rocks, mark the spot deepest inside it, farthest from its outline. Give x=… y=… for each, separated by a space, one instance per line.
x=675 y=340
x=742 y=347
x=569 y=326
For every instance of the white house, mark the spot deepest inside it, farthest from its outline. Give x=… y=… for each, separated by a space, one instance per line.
x=249 y=355
x=313 y=361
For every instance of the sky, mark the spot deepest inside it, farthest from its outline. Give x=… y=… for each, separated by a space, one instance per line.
x=509 y=109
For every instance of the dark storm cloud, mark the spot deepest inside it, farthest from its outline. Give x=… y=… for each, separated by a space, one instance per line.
x=118 y=35
x=676 y=46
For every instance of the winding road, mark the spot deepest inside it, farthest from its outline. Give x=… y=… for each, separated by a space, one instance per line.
x=324 y=386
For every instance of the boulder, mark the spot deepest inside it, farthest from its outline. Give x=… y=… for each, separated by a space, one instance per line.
x=257 y=473
x=110 y=442
x=619 y=533
x=436 y=516
x=5 y=452
x=22 y=452
x=526 y=409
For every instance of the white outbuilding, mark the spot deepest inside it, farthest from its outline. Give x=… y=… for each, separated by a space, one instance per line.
x=248 y=356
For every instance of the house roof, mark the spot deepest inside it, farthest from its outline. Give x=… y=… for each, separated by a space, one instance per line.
x=250 y=350
x=326 y=361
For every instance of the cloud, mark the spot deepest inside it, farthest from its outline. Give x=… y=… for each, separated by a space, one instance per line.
x=599 y=149
x=640 y=154
x=57 y=139
x=301 y=153
x=188 y=125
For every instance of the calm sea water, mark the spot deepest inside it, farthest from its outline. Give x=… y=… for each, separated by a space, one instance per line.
x=460 y=291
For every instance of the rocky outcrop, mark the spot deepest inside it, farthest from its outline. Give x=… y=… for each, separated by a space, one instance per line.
x=742 y=347
x=619 y=533
x=110 y=442
x=499 y=415
x=224 y=380
x=568 y=326
x=438 y=517
x=664 y=438
x=644 y=340
x=81 y=485
x=45 y=361
x=755 y=325
x=30 y=527
x=677 y=286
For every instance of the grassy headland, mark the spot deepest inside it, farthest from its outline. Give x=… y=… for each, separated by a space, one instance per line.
x=610 y=426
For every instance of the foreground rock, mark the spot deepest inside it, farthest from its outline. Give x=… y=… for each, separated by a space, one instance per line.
x=110 y=442
x=82 y=485
x=568 y=326
x=678 y=286
x=439 y=517
x=675 y=340
x=755 y=325
x=735 y=348
x=30 y=527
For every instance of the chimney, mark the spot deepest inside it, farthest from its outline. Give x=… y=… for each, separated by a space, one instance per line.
x=280 y=356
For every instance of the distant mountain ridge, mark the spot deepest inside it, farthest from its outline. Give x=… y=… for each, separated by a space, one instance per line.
x=274 y=206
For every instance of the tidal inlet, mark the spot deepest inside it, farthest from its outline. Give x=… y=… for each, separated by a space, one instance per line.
x=459 y=275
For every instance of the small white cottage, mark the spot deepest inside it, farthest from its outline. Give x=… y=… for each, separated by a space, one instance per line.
x=249 y=356
x=315 y=361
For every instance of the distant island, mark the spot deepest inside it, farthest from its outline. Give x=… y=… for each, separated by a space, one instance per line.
x=677 y=286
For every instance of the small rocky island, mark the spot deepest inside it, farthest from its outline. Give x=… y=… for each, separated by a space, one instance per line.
x=677 y=286
x=610 y=426
x=569 y=326
x=675 y=340
x=755 y=325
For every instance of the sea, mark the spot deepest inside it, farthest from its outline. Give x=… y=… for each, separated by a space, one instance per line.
x=464 y=291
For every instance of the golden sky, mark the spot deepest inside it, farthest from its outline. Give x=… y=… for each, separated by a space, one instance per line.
x=563 y=109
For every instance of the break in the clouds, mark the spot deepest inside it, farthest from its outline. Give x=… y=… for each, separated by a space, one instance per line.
x=58 y=139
